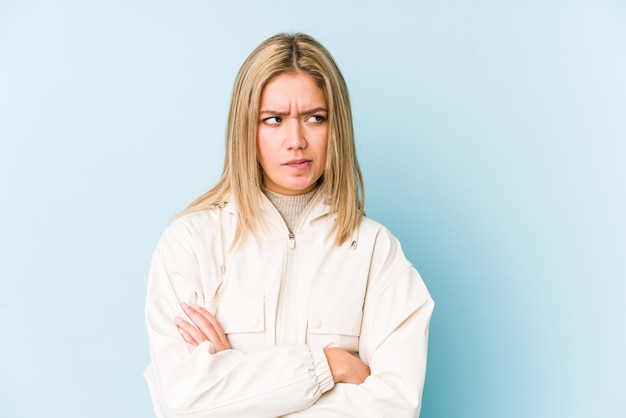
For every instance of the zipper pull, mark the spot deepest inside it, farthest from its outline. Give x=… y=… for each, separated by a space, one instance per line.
x=292 y=240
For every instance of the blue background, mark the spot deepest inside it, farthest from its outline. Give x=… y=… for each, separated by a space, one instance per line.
x=492 y=139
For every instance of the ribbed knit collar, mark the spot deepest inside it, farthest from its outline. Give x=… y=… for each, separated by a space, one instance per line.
x=290 y=207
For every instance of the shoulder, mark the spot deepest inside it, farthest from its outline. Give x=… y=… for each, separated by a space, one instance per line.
x=370 y=229
x=369 y=224
x=391 y=273
x=387 y=258
x=191 y=226
x=189 y=222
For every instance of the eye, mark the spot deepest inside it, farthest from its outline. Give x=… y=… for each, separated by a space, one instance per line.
x=274 y=120
x=316 y=118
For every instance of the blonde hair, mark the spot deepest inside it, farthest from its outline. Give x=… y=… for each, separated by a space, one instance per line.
x=242 y=177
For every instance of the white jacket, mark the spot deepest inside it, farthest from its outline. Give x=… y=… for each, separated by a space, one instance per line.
x=281 y=299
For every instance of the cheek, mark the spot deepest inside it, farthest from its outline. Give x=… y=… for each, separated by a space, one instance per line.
x=262 y=148
x=323 y=156
x=323 y=149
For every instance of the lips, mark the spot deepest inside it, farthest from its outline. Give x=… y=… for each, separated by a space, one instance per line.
x=298 y=164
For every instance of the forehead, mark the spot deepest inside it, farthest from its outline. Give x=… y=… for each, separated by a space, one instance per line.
x=287 y=88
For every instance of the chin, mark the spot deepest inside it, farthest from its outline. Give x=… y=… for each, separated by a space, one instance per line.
x=298 y=188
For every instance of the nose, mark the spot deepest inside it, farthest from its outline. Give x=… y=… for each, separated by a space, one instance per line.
x=296 y=138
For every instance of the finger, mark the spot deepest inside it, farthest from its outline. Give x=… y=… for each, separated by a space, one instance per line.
x=187 y=337
x=215 y=324
x=217 y=335
x=204 y=326
x=194 y=334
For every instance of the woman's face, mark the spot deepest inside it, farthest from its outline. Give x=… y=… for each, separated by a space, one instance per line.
x=292 y=133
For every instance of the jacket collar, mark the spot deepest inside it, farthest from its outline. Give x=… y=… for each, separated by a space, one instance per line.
x=318 y=207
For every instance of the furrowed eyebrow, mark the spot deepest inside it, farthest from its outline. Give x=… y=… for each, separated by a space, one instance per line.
x=306 y=112
x=273 y=113
x=315 y=110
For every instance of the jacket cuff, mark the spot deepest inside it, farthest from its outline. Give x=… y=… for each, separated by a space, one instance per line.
x=206 y=346
x=322 y=370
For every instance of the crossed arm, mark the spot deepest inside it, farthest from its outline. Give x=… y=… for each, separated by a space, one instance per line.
x=344 y=367
x=194 y=373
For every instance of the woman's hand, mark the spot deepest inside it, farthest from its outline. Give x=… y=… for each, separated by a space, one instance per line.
x=207 y=328
x=345 y=367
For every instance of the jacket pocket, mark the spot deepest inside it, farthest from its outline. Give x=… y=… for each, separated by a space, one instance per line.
x=243 y=321
x=335 y=323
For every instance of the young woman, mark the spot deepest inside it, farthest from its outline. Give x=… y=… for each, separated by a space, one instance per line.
x=272 y=295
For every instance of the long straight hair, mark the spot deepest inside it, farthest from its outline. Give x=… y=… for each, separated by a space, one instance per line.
x=242 y=177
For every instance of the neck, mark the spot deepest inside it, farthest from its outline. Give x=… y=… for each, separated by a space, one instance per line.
x=290 y=207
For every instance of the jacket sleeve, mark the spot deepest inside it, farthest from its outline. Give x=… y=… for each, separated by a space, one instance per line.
x=393 y=343
x=194 y=382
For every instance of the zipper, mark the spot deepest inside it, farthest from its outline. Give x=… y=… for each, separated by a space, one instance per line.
x=287 y=296
x=292 y=241
x=290 y=296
